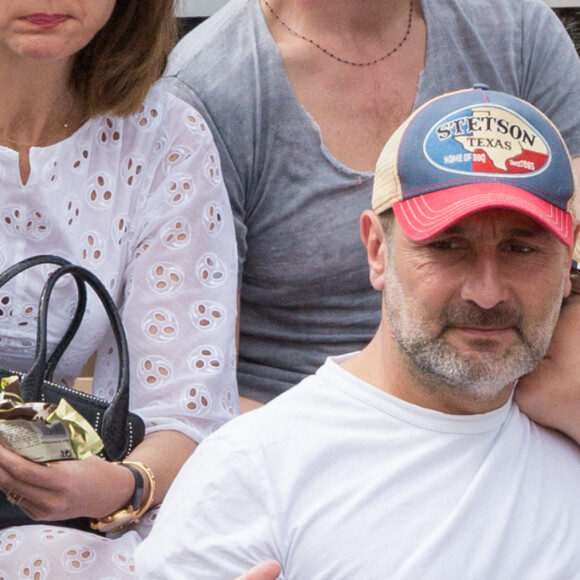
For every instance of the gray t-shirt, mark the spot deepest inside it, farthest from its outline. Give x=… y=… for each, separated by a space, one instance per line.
x=305 y=291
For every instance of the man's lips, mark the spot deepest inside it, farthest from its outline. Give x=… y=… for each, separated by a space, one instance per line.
x=484 y=331
x=45 y=20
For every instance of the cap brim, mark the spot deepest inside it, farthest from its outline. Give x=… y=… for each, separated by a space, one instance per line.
x=424 y=216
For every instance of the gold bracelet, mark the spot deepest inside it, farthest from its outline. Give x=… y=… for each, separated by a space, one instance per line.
x=131 y=513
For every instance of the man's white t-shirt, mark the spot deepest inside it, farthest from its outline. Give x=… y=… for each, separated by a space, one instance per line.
x=338 y=480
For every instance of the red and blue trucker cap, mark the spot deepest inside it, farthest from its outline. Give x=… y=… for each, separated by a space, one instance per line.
x=472 y=150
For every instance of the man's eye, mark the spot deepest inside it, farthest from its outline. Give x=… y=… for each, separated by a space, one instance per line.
x=445 y=245
x=519 y=248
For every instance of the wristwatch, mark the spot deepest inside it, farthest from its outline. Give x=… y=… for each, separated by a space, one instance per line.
x=137 y=505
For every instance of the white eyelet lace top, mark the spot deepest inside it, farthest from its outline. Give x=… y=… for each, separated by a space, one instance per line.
x=141 y=202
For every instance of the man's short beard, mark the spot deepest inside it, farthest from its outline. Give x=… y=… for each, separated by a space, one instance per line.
x=440 y=365
x=482 y=375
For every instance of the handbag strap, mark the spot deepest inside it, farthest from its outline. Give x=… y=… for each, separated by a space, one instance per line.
x=31 y=383
x=27 y=263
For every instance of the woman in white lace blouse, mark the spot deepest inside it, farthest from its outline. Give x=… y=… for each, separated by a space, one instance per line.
x=106 y=171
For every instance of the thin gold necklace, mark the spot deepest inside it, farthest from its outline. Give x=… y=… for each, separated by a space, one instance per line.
x=64 y=126
x=338 y=58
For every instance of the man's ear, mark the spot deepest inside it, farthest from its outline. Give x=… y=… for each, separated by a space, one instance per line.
x=373 y=237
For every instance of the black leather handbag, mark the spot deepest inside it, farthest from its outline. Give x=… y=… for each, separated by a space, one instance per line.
x=119 y=429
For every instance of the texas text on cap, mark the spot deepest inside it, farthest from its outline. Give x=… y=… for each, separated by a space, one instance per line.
x=472 y=150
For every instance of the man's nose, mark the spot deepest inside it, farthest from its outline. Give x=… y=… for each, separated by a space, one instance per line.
x=485 y=285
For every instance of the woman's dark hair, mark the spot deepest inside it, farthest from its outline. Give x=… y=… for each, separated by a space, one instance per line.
x=114 y=72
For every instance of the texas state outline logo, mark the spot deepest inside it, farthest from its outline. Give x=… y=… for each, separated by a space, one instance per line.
x=486 y=139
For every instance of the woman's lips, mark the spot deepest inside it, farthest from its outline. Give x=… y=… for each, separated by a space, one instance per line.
x=45 y=20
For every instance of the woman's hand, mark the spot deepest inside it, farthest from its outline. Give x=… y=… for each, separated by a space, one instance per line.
x=269 y=570
x=550 y=395
x=90 y=487
x=65 y=489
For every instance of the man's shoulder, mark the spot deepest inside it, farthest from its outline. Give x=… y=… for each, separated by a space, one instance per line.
x=308 y=409
x=214 y=46
x=479 y=13
x=488 y=7
x=221 y=65
x=298 y=404
x=543 y=441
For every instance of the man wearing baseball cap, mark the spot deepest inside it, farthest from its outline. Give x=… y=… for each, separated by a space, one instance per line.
x=410 y=460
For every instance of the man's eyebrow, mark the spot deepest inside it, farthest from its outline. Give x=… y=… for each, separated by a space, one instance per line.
x=537 y=232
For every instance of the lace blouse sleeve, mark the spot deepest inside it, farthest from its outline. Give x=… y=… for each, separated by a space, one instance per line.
x=179 y=306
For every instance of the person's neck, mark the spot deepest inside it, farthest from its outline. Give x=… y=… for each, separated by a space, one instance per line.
x=37 y=105
x=382 y=365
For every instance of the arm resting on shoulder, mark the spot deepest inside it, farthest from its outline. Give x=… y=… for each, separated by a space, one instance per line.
x=550 y=395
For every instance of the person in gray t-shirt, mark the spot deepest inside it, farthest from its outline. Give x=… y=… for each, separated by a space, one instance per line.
x=299 y=130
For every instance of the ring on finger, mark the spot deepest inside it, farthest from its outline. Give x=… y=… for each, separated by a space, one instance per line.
x=13 y=498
